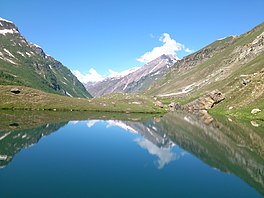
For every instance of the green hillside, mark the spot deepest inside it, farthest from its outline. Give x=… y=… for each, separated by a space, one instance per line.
x=233 y=65
x=23 y=63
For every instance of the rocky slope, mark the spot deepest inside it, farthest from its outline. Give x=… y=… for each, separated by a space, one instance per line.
x=135 y=81
x=233 y=65
x=24 y=63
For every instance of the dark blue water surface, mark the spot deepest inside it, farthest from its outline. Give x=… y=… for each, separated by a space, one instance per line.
x=125 y=159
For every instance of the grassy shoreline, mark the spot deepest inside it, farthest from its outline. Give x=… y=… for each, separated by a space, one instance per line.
x=32 y=99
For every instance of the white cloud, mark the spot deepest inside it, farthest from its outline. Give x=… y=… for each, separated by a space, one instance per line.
x=188 y=50
x=94 y=76
x=91 y=76
x=170 y=46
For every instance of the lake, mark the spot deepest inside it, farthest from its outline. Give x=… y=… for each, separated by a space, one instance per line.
x=176 y=155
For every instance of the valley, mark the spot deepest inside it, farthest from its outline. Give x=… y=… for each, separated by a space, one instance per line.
x=233 y=65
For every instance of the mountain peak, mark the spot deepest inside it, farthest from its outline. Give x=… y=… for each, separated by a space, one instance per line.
x=1 y=19
x=7 y=27
x=135 y=79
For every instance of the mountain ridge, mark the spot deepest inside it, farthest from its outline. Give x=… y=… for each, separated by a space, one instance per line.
x=25 y=63
x=134 y=81
x=233 y=65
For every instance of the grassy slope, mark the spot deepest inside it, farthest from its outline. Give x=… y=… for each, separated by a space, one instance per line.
x=227 y=78
x=34 y=70
x=37 y=100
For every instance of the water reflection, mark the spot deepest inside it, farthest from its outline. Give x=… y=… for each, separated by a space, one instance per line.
x=165 y=155
x=14 y=139
x=233 y=147
x=157 y=144
x=224 y=144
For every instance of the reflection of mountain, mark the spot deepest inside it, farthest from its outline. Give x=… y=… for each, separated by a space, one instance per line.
x=228 y=146
x=231 y=147
x=12 y=141
x=21 y=129
x=154 y=140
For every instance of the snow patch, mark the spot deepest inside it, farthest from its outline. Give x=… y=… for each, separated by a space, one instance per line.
x=220 y=39
x=8 y=31
x=36 y=45
x=185 y=90
x=1 y=19
x=153 y=69
x=9 y=53
x=125 y=86
x=3 y=157
x=28 y=54
x=114 y=74
x=158 y=72
x=21 y=53
x=67 y=93
x=120 y=124
x=3 y=136
x=91 y=123
x=14 y=63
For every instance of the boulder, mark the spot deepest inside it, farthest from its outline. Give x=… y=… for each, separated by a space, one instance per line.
x=205 y=102
x=159 y=104
x=254 y=111
x=254 y=123
x=174 y=106
x=15 y=90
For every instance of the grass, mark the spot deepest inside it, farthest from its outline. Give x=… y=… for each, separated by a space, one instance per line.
x=219 y=71
x=32 y=99
x=36 y=71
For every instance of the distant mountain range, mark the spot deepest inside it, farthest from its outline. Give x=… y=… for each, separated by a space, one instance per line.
x=234 y=65
x=135 y=80
x=24 y=63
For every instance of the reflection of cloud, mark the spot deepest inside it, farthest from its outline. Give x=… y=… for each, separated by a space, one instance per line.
x=91 y=123
x=120 y=124
x=165 y=155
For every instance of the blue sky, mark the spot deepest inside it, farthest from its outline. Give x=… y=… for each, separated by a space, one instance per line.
x=116 y=34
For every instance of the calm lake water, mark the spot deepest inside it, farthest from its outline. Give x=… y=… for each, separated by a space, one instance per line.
x=173 y=156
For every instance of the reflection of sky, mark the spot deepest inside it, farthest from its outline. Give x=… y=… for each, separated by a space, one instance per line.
x=165 y=155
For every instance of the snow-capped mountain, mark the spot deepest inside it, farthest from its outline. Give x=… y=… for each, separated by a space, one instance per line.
x=133 y=80
x=25 y=63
